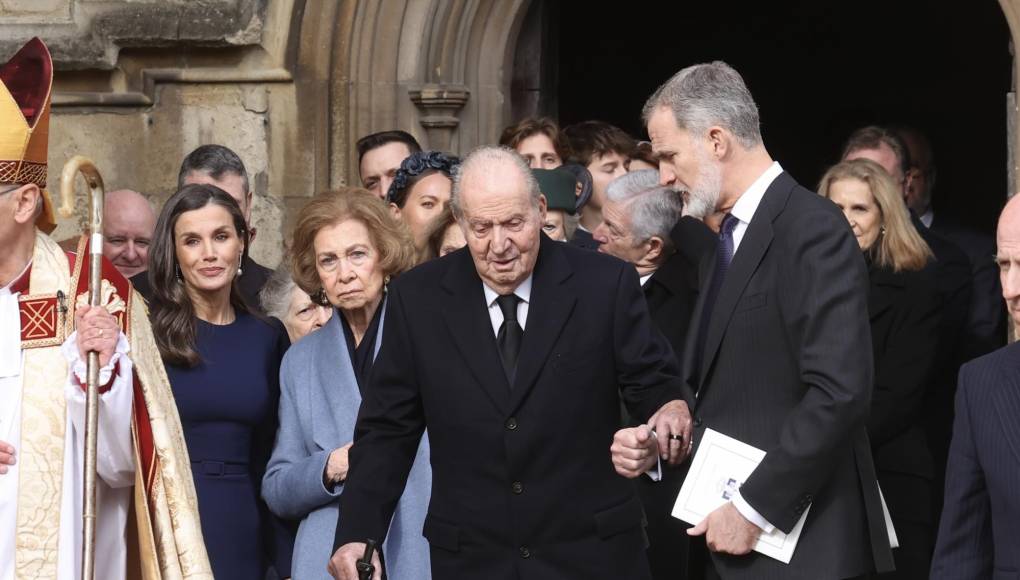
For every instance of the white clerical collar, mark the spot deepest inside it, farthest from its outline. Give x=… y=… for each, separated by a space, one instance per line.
x=646 y=278
x=523 y=291
x=748 y=203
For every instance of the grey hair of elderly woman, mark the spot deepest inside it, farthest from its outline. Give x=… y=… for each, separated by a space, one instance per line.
x=275 y=295
x=654 y=209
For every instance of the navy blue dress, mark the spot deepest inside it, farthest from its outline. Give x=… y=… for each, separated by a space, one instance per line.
x=228 y=408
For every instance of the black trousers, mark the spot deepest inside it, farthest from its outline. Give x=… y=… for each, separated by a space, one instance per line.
x=701 y=567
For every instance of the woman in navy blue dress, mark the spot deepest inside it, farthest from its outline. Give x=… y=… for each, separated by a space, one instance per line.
x=223 y=364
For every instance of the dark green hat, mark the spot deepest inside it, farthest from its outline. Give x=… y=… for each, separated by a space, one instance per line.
x=558 y=186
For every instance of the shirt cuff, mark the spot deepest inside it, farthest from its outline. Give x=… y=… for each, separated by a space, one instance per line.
x=655 y=473
x=751 y=514
x=78 y=366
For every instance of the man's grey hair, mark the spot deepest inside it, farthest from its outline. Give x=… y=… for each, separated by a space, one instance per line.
x=484 y=158
x=275 y=295
x=654 y=209
x=708 y=94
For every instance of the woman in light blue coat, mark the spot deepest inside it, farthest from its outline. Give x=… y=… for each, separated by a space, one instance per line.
x=346 y=247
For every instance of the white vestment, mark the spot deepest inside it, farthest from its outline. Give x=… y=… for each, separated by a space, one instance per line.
x=116 y=463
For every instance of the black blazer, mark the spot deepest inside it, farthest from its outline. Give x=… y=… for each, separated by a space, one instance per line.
x=980 y=528
x=986 y=326
x=904 y=311
x=672 y=292
x=583 y=239
x=523 y=483
x=787 y=367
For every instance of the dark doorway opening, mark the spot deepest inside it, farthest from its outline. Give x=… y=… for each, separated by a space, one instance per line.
x=818 y=70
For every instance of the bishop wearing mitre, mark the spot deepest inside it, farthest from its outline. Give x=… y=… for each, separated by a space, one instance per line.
x=147 y=518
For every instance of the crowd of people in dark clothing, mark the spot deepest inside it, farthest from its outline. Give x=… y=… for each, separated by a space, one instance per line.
x=270 y=368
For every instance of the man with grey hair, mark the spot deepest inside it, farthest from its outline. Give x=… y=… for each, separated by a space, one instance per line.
x=641 y=224
x=779 y=356
x=637 y=217
x=514 y=352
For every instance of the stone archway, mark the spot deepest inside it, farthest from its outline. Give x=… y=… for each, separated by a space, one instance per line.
x=1011 y=10
x=439 y=69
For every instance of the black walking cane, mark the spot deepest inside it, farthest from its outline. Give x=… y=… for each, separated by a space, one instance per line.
x=365 y=567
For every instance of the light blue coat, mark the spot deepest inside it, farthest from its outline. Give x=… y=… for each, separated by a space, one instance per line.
x=319 y=400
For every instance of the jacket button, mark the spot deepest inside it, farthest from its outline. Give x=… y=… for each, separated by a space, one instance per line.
x=511 y=423
x=525 y=552
x=697 y=421
x=517 y=488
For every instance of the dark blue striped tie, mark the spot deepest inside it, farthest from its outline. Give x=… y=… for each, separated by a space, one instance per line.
x=723 y=257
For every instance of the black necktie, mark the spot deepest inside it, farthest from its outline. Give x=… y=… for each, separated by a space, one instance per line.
x=510 y=334
x=723 y=257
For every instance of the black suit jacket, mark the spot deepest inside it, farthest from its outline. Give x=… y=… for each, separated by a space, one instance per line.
x=523 y=483
x=253 y=278
x=904 y=311
x=787 y=368
x=986 y=325
x=980 y=528
x=672 y=292
x=583 y=239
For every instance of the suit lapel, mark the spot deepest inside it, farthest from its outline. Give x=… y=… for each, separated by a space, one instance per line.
x=749 y=254
x=552 y=301
x=467 y=317
x=691 y=344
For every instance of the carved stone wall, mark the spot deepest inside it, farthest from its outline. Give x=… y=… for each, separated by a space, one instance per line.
x=288 y=84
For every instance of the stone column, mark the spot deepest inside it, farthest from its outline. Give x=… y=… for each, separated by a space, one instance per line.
x=440 y=107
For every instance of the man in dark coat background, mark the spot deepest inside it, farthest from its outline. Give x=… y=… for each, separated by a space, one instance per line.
x=220 y=166
x=514 y=353
x=642 y=225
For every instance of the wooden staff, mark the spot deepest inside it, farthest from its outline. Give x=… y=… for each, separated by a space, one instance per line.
x=96 y=198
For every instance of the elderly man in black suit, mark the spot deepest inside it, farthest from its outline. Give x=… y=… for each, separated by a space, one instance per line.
x=780 y=350
x=980 y=528
x=641 y=224
x=514 y=353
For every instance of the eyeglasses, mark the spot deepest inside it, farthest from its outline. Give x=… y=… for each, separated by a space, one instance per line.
x=13 y=188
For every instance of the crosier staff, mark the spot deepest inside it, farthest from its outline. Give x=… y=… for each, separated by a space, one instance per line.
x=97 y=194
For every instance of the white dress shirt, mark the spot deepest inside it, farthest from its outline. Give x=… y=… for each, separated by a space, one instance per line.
x=748 y=203
x=927 y=217
x=496 y=315
x=744 y=210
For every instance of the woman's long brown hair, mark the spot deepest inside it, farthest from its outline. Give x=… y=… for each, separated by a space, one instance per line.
x=173 y=315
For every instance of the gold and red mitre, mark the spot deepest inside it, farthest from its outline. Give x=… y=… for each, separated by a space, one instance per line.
x=26 y=82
